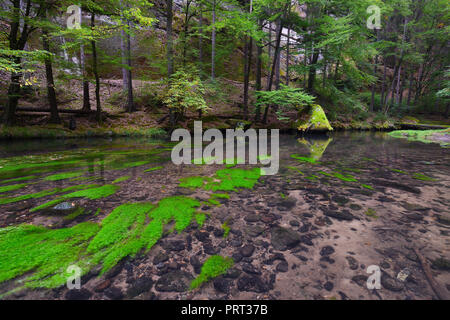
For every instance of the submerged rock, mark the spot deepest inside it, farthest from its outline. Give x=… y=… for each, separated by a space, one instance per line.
x=176 y=281
x=284 y=239
x=78 y=294
x=253 y=284
x=63 y=208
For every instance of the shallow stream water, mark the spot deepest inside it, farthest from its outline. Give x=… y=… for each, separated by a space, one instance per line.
x=338 y=205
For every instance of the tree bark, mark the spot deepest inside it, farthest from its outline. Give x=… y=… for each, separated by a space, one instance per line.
x=275 y=58
x=213 y=43
x=16 y=43
x=51 y=95
x=200 y=38
x=169 y=38
x=86 y=97
x=130 y=100
x=95 y=71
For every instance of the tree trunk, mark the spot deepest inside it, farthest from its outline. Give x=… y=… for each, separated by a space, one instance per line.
x=186 y=31
x=288 y=53
x=213 y=42
x=95 y=71
x=130 y=100
x=312 y=70
x=51 y=95
x=15 y=43
x=86 y=98
x=123 y=49
x=169 y=38
x=258 y=74
x=411 y=82
x=200 y=38
x=275 y=58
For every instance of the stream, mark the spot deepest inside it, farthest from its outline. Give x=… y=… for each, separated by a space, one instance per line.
x=139 y=227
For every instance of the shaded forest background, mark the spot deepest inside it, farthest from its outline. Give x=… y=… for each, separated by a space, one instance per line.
x=163 y=63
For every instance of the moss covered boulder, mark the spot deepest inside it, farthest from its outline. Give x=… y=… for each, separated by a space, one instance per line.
x=313 y=118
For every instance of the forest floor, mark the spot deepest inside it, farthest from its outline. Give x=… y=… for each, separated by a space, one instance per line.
x=225 y=112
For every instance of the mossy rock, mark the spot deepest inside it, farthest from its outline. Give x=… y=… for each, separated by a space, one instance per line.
x=409 y=119
x=313 y=118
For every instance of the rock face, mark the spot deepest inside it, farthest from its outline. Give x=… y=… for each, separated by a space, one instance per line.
x=75 y=294
x=141 y=285
x=313 y=118
x=252 y=283
x=284 y=239
x=176 y=281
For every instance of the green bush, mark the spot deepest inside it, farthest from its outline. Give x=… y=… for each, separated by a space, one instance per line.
x=186 y=92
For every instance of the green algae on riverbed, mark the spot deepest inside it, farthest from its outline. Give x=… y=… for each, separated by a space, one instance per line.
x=64 y=175
x=12 y=187
x=45 y=193
x=229 y=179
x=213 y=267
x=128 y=229
x=92 y=194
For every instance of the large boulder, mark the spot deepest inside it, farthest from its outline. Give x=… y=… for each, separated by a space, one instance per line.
x=313 y=118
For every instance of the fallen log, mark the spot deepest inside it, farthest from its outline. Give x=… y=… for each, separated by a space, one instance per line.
x=440 y=292
x=28 y=109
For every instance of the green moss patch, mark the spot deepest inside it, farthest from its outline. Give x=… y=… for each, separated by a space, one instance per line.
x=371 y=213
x=121 y=179
x=420 y=176
x=313 y=118
x=340 y=176
x=91 y=194
x=12 y=187
x=426 y=136
x=44 y=193
x=45 y=252
x=64 y=175
x=19 y=179
x=213 y=267
x=154 y=169
x=303 y=158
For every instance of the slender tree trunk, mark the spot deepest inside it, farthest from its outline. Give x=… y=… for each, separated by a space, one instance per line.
x=312 y=70
x=383 y=85
x=336 y=71
x=86 y=98
x=269 y=48
x=95 y=71
x=278 y=63
x=51 y=95
x=130 y=100
x=123 y=49
x=258 y=74
x=200 y=38
x=16 y=43
x=402 y=87
x=411 y=82
x=374 y=85
x=248 y=50
x=213 y=42
x=275 y=58
x=186 y=31
x=288 y=56
x=169 y=38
